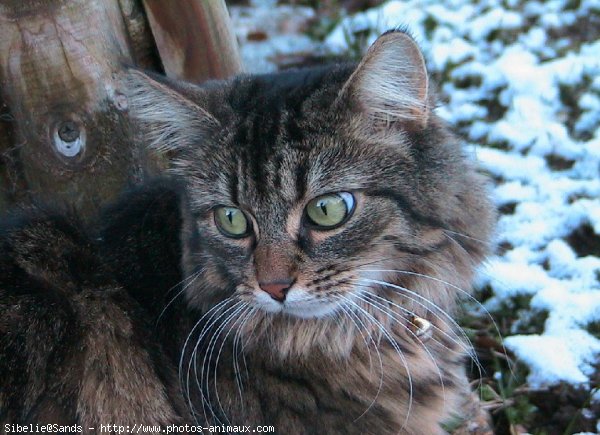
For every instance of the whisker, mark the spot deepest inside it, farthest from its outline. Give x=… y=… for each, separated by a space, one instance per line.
x=418 y=296
x=467 y=349
x=483 y=242
x=350 y=313
x=473 y=354
x=396 y=348
x=191 y=280
x=233 y=311
x=211 y=321
x=383 y=309
x=186 y=390
x=441 y=281
x=237 y=316
x=471 y=297
x=214 y=308
x=236 y=352
x=249 y=337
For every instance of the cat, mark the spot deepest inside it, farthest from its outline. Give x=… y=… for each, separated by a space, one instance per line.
x=334 y=223
x=78 y=347
x=300 y=270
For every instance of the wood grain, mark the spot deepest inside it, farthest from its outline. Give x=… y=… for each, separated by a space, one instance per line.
x=65 y=136
x=194 y=38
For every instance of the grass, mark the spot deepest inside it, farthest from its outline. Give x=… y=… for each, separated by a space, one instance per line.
x=502 y=385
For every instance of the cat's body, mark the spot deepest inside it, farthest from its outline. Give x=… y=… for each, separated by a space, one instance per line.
x=333 y=222
x=77 y=344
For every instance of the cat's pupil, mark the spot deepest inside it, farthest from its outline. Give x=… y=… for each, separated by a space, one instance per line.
x=323 y=207
x=231 y=221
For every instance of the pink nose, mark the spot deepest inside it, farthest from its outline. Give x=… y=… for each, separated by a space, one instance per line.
x=276 y=289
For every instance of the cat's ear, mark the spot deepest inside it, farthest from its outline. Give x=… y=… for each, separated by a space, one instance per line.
x=168 y=114
x=391 y=83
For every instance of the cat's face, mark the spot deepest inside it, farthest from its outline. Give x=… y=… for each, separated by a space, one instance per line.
x=295 y=232
x=309 y=188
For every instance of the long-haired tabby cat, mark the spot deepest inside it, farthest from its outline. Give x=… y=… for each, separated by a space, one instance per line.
x=330 y=223
x=335 y=221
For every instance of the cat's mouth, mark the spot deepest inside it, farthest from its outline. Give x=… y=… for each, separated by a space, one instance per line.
x=298 y=303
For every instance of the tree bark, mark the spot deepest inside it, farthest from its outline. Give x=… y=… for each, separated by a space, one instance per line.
x=64 y=130
x=194 y=38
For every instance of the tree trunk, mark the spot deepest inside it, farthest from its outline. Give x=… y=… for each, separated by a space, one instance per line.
x=64 y=131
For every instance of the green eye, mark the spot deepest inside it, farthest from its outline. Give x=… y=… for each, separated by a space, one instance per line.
x=231 y=221
x=331 y=210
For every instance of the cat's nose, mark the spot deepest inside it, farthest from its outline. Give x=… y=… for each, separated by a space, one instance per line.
x=277 y=289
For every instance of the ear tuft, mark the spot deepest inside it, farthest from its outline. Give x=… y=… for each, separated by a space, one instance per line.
x=391 y=83
x=167 y=118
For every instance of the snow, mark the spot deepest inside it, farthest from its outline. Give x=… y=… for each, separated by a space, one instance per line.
x=564 y=365
x=542 y=150
x=265 y=33
x=494 y=19
x=454 y=50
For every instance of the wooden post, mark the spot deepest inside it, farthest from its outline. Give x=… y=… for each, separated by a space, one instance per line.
x=64 y=131
x=194 y=38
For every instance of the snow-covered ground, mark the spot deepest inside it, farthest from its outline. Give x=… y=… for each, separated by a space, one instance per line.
x=522 y=78
x=266 y=32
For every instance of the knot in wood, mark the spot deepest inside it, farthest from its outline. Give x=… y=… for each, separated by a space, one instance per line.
x=121 y=102
x=69 y=137
x=68 y=131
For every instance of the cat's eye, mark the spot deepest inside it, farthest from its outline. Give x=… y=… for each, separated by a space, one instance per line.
x=232 y=222
x=329 y=211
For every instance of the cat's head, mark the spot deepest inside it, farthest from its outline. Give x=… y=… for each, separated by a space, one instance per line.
x=310 y=188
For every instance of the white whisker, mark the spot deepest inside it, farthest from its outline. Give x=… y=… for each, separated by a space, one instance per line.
x=350 y=313
x=231 y=312
x=193 y=277
x=186 y=390
x=394 y=344
x=237 y=316
x=468 y=350
x=390 y=314
x=483 y=242
x=236 y=352
x=471 y=297
x=427 y=301
x=211 y=321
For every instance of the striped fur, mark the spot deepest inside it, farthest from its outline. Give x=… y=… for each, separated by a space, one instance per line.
x=339 y=356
